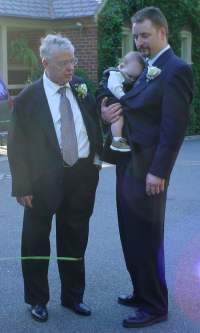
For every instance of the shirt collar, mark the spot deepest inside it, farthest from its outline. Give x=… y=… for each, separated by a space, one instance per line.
x=52 y=86
x=153 y=60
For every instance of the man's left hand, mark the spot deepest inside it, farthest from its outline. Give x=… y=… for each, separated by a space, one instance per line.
x=110 y=113
x=154 y=185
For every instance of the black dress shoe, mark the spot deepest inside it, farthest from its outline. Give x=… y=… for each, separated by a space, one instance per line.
x=39 y=312
x=79 y=308
x=129 y=300
x=142 y=319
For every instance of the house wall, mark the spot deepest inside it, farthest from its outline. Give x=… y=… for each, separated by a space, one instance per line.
x=85 y=42
x=82 y=34
x=17 y=71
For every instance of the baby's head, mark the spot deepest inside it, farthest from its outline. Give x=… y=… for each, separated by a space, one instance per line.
x=132 y=65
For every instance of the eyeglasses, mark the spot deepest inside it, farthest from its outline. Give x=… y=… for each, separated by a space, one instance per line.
x=65 y=63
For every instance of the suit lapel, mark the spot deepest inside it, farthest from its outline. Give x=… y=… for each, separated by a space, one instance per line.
x=79 y=101
x=82 y=106
x=44 y=116
x=142 y=82
x=139 y=85
x=163 y=59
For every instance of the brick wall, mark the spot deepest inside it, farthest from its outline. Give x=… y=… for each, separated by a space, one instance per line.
x=85 y=42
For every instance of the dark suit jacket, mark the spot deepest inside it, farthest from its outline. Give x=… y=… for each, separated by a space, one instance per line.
x=157 y=111
x=33 y=151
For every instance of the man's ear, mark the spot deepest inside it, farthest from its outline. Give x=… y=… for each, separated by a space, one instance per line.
x=121 y=65
x=44 y=62
x=163 y=33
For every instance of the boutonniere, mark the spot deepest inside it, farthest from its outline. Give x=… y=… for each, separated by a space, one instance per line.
x=152 y=73
x=81 y=90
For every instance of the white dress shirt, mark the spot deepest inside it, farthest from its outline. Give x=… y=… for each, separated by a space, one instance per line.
x=53 y=98
x=153 y=60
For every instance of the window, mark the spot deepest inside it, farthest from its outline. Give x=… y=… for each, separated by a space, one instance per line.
x=186 y=46
x=18 y=74
x=127 y=41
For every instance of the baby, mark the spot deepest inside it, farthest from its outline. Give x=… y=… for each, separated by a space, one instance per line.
x=125 y=74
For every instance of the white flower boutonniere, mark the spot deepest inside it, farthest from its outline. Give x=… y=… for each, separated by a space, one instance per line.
x=81 y=90
x=152 y=73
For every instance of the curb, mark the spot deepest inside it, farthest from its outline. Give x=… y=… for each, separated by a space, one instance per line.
x=192 y=138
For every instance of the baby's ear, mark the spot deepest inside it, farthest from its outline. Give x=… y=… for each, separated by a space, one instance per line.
x=121 y=65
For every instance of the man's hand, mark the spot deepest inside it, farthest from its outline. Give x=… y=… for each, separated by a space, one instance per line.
x=25 y=201
x=110 y=113
x=154 y=185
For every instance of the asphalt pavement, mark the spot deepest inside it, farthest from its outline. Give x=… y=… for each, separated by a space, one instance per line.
x=106 y=274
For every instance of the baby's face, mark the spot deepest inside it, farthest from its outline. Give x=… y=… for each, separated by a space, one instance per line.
x=132 y=67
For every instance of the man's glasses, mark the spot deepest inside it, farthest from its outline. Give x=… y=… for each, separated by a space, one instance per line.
x=65 y=63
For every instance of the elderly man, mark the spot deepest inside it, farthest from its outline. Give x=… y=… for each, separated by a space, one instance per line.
x=53 y=148
x=156 y=111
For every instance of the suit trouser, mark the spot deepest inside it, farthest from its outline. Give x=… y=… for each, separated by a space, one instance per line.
x=141 y=226
x=72 y=227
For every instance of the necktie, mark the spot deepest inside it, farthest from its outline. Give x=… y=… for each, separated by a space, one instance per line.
x=68 y=133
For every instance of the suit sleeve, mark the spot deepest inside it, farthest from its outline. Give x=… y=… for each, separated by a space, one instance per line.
x=96 y=118
x=174 y=120
x=18 y=153
x=103 y=92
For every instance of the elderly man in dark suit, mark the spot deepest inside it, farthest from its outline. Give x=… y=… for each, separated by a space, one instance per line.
x=156 y=110
x=53 y=149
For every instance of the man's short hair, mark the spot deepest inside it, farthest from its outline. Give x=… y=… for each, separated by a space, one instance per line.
x=153 y=14
x=53 y=42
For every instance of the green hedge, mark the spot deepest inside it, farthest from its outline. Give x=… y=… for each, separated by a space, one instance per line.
x=83 y=74
x=179 y=13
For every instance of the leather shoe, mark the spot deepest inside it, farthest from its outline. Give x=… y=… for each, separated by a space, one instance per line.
x=39 y=312
x=79 y=308
x=129 y=300
x=142 y=319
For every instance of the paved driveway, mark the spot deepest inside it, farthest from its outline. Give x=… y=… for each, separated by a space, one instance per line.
x=105 y=269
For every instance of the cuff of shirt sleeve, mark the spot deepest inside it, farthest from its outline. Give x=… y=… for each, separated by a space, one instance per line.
x=97 y=160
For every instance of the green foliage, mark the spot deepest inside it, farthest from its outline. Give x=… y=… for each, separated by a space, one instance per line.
x=36 y=73
x=83 y=74
x=109 y=35
x=179 y=13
